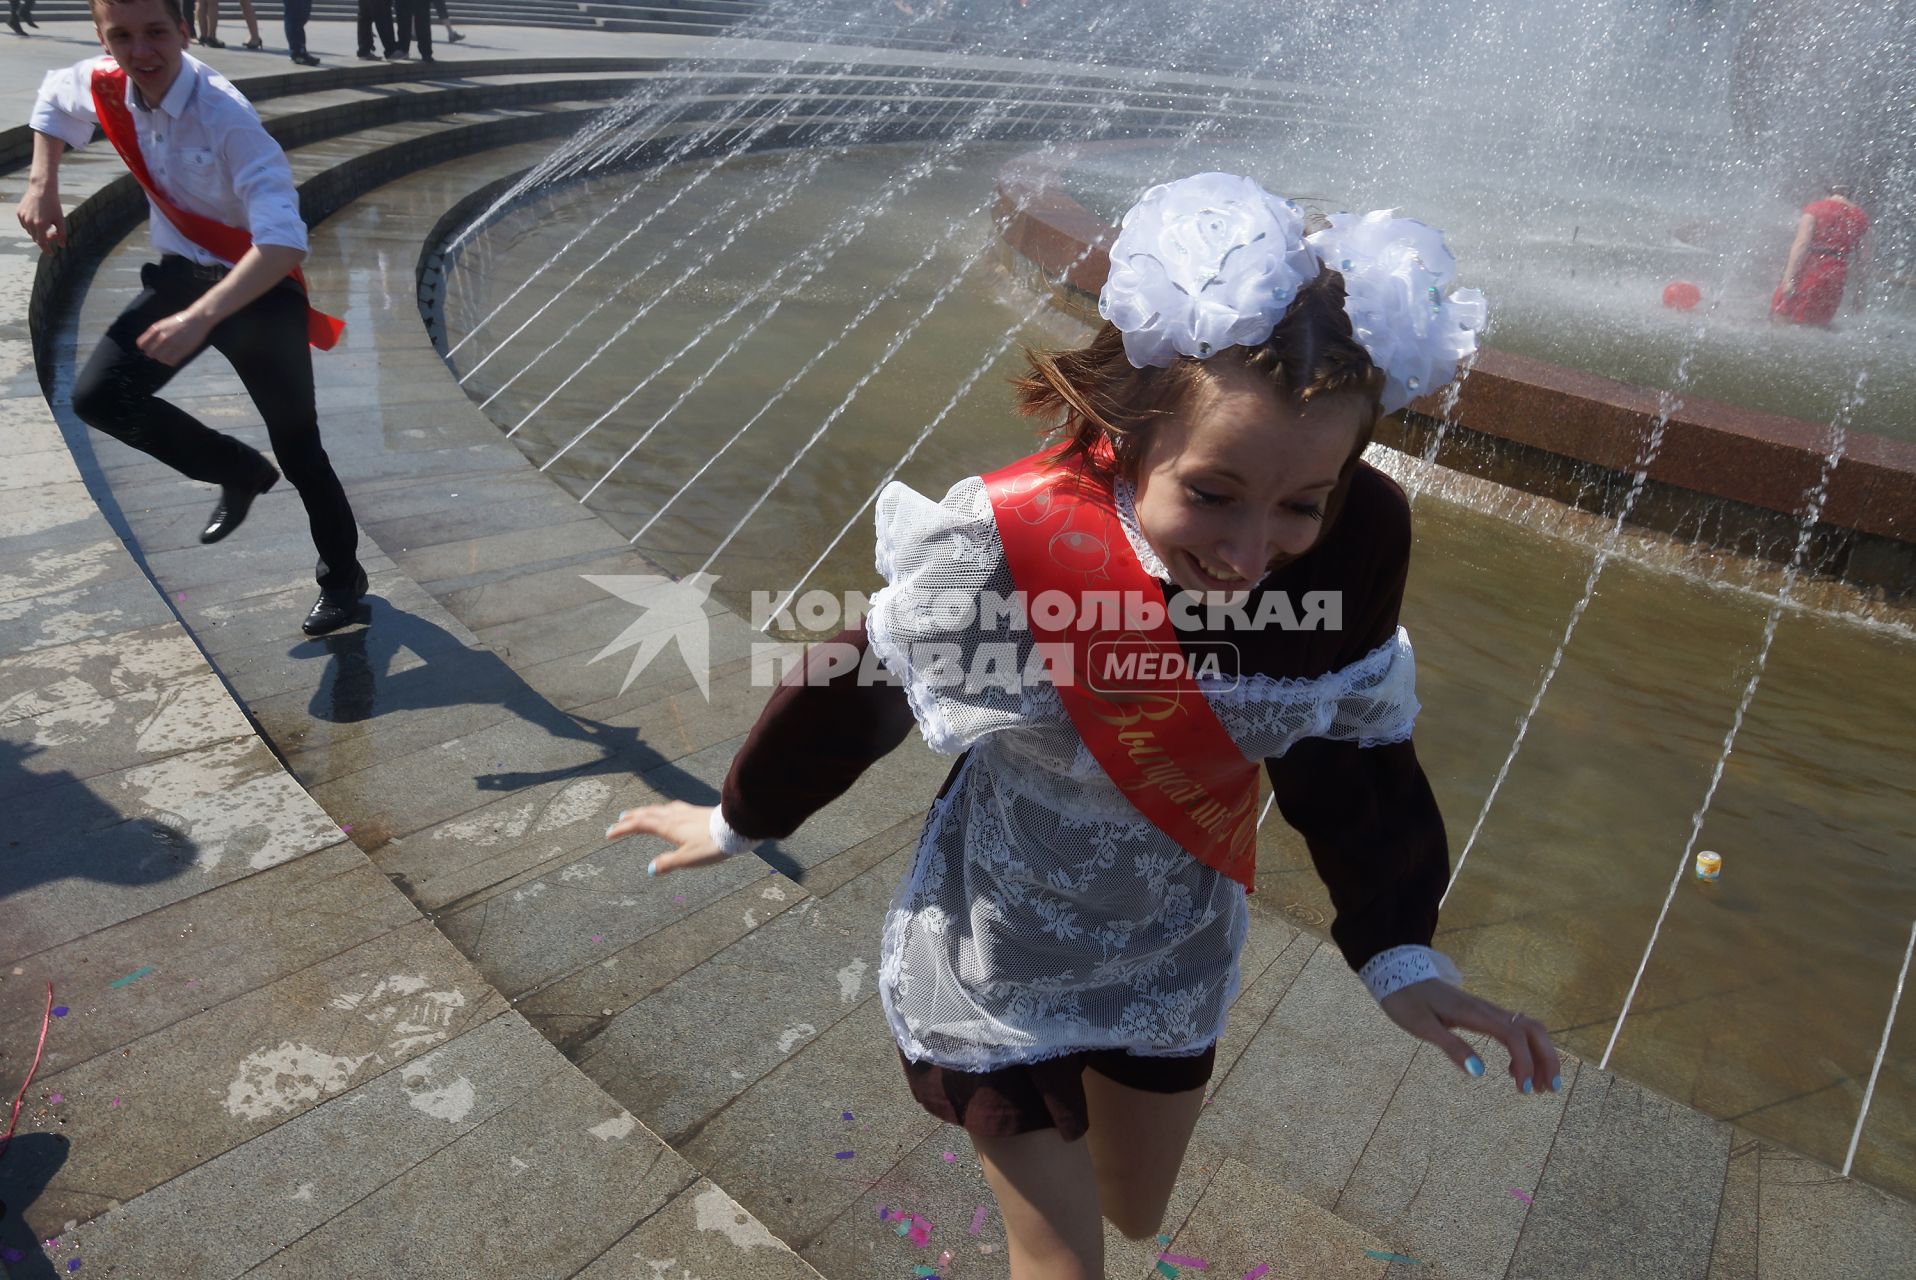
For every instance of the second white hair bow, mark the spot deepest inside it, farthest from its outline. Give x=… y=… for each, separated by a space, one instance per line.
x=1396 y=273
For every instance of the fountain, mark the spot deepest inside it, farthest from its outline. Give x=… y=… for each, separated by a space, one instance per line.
x=1664 y=559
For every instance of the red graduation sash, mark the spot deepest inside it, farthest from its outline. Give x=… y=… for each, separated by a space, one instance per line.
x=218 y=239
x=1163 y=746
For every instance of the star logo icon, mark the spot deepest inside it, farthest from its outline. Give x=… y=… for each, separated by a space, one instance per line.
x=672 y=612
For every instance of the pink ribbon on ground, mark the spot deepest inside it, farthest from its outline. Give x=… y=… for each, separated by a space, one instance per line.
x=46 y=1020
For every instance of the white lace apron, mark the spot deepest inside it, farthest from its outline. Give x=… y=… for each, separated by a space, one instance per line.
x=1044 y=914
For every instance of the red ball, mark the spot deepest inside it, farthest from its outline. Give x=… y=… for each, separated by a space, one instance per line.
x=1681 y=295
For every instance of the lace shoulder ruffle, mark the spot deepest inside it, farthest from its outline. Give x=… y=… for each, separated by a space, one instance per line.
x=940 y=560
x=1372 y=702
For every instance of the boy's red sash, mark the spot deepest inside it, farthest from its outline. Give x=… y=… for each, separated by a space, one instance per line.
x=1163 y=746
x=218 y=239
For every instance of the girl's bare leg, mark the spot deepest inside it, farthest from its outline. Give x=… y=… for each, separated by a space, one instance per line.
x=252 y=22
x=1137 y=1142
x=1048 y=1195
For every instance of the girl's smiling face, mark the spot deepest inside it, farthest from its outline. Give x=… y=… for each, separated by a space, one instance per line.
x=1237 y=481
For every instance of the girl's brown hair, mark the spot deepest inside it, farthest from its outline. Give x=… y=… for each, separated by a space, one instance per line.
x=1094 y=394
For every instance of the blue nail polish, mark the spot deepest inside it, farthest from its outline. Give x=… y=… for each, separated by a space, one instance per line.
x=1526 y=1086
x=609 y=830
x=1556 y=1084
x=652 y=868
x=1474 y=1065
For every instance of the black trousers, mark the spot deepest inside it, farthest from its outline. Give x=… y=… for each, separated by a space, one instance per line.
x=376 y=14
x=414 y=25
x=265 y=342
x=294 y=15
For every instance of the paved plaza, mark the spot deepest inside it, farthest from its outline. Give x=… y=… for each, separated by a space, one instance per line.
x=349 y=982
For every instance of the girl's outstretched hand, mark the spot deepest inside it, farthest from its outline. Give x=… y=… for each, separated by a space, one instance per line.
x=689 y=826
x=1429 y=1009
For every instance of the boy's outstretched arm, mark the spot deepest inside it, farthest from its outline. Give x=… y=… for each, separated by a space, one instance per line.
x=39 y=211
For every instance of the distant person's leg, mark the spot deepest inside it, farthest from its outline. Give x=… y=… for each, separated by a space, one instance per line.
x=422 y=28
x=297 y=12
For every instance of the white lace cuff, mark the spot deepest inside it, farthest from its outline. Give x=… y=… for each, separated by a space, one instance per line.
x=1397 y=968
x=730 y=842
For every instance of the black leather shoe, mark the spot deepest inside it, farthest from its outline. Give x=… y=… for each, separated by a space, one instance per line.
x=305 y=59
x=235 y=501
x=334 y=609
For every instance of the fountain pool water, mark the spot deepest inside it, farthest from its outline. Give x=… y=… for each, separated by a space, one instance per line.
x=1765 y=998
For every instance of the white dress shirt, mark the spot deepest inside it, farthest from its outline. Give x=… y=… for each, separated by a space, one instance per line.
x=204 y=146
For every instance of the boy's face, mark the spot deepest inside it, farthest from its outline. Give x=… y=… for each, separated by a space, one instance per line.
x=146 y=42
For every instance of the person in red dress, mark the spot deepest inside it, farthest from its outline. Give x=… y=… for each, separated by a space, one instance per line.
x=1828 y=236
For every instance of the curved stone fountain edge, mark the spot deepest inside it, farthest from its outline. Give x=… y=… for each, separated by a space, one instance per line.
x=1539 y=416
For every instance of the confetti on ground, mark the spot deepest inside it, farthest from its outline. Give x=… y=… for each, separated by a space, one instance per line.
x=949 y=1157
x=944 y=1259
x=179 y=595
x=844 y=1115
x=978 y=1219
x=841 y=1155
x=678 y=897
x=1164 y=1239
x=1257 y=1272
x=1179 y=1260
x=924 y=1273
x=192 y=982
x=921 y=1235
x=1166 y=1269
x=1391 y=1257
x=57 y=1099
x=598 y=937
x=131 y=978
x=346 y=827
x=73 y=1264
x=114 y=1103
x=884 y=1213
x=60 y=1011
x=1521 y=1195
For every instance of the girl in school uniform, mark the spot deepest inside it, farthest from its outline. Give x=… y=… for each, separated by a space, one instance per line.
x=1199 y=576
